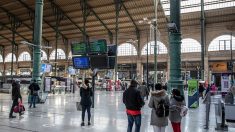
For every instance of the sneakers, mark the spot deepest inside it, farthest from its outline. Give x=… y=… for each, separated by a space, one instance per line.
x=89 y=123
x=12 y=116
x=82 y=124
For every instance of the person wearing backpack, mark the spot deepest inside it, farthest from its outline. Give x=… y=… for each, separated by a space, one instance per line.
x=143 y=90
x=86 y=101
x=133 y=102
x=33 y=88
x=159 y=102
x=176 y=104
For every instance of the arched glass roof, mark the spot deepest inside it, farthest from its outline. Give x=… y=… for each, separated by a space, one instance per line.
x=161 y=48
x=190 y=45
x=126 y=49
x=9 y=58
x=60 y=54
x=24 y=56
x=222 y=42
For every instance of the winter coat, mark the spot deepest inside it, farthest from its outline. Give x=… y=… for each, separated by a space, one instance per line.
x=86 y=94
x=132 y=99
x=16 y=91
x=176 y=102
x=154 y=100
x=34 y=87
x=143 y=90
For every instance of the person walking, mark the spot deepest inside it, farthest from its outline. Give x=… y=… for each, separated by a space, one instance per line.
x=159 y=98
x=33 y=91
x=86 y=94
x=15 y=97
x=201 y=90
x=143 y=90
x=133 y=102
x=176 y=104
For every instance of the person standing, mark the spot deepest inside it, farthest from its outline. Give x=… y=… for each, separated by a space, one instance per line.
x=201 y=90
x=159 y=96
x=133 y=102
x=86 y=94
x=15 y=97
x=176 y=103
x=143 y=90
x=33 y=91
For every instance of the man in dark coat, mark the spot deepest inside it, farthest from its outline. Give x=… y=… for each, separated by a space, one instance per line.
x=33 y=88
x=133 y=101
x=15 y=96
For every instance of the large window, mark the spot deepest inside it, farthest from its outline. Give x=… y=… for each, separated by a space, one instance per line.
x=43 y=55
x=1 y=59
x=126 y=49
x=222 y=43
x=9 y=58
x=24 y=56
x=60 y=54
x=190 y=45
x=161 y=48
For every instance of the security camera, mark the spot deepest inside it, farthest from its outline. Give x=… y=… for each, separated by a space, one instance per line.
x=172 y=27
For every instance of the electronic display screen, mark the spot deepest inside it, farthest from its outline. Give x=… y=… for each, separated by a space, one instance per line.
x=81 y=62
x=78 y=48
x=99 y=61
x=112 y=50
x=98 y=46
x=112 y=62
x=45 y=68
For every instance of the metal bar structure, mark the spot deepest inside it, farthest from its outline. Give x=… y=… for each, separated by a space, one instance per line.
x=85 y=14
x=26 y=25
x=66 y=16
x=202 y=39
x=37 y=40
x=31 y=11
x=136 y=27
x=118 y=6
x=231 y=59
x=103 y=24
x=147 y=65
x=155 y=41
x=59 y=16
x=175 y=48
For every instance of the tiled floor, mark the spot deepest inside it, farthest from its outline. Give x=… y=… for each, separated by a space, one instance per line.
x=59 y=114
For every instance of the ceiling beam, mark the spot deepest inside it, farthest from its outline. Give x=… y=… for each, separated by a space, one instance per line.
x=33 y=11
x=56 y=6
x=8 y=13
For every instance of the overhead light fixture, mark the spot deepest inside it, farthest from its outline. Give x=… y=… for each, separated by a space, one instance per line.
x=27 y=43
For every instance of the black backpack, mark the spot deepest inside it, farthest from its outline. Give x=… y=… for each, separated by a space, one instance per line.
x=162 y=109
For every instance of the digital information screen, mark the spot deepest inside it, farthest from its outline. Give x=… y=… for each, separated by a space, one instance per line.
x=99 y=61
x=98 y=46
x=79 y=48
x=81 y=62
x=45 y=68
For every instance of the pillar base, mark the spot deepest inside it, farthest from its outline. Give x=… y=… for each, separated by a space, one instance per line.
x=172 y=84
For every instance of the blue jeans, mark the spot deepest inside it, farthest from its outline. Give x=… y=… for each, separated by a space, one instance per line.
x=33 y=101
x=134 y=119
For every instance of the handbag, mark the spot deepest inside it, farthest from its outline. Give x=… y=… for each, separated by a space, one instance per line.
x=79 y=106
x=184 y=111
x=19 y=108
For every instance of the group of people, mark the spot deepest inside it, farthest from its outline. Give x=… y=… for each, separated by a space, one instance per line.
x=17 y=98
x=163 y=107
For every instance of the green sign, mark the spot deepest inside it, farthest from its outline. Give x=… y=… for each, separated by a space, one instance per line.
x=98 y=46
x=193 y=101
x=79 y=48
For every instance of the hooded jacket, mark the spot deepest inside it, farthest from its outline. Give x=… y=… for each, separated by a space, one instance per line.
x=176 y=102
x=132 y=99
x=155 y=98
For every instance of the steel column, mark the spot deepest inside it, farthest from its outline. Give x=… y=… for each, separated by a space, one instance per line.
x=85 y=13
x=231 y=59
x=118 y=6
x=175 y=48
x=147 y=65
x=37 y=40
x=202 y=39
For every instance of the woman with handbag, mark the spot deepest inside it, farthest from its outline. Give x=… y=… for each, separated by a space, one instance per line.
x=176 y=104
x=86 y=94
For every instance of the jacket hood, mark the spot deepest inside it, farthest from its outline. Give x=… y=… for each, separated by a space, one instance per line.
x=178 y=98
x=158 y=93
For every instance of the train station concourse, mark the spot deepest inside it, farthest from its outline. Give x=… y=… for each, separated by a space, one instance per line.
x=117 y=65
